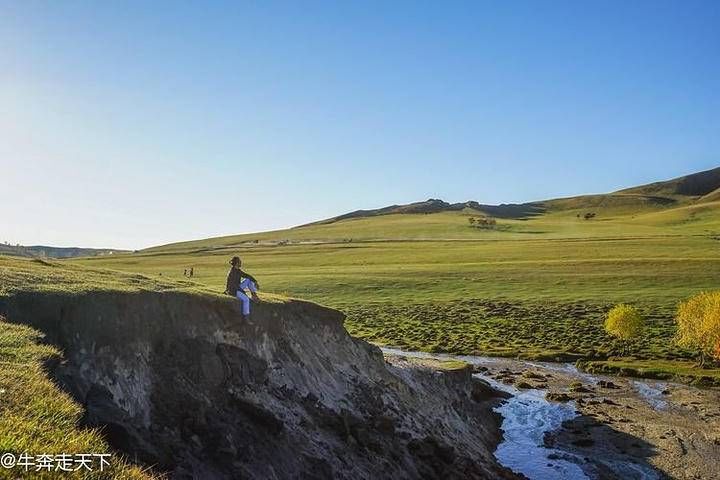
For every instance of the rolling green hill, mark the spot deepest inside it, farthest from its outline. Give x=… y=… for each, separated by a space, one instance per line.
x=662 y=208
x=537 y=283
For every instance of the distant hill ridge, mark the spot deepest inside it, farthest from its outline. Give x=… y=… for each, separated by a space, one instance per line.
x=699 y=187
x=693 y=185
x=434 y=205
x=713 y=196
x=54 y=252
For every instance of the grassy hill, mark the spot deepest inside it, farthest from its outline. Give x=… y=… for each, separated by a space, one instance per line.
x=713 y=196
x=692 y=186
x=615 y=216
x=658 y=209
x=536 y=284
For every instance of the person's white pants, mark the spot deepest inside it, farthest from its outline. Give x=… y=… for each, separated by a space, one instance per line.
x=244 y=299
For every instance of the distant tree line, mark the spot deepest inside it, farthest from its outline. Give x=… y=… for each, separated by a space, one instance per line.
x=21 y=250
x=482 y=222
x=697 y=320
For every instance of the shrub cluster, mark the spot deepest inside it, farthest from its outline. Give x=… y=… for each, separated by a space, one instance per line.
x=624 y=322
x=482 y=222
x=698 y=321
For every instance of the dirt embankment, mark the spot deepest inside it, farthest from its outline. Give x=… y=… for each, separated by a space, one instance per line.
x=179 y=382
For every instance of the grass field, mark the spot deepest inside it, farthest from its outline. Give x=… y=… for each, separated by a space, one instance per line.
x=537 y=287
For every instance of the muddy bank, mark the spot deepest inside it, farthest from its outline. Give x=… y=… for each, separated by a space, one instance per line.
x=609 y=428
x=179 y=383
x=642 y=429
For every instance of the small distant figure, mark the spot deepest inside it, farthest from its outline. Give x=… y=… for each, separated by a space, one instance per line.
x=192 y=271
x=185 y=273
x=237 y=282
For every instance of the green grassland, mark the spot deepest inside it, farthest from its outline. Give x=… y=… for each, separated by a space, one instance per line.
x=649 y=269
x=536 y=287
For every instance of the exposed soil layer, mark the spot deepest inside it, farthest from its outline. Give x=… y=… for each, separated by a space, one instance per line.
x=179 y=382
x=672 y=429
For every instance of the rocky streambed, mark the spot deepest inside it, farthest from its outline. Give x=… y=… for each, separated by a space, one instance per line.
x=561 y=423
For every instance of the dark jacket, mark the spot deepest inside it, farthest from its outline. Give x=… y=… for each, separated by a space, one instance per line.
x=235 y=276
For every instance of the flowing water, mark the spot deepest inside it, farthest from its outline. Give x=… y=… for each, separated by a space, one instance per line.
x=528 y=416
x=652 y=393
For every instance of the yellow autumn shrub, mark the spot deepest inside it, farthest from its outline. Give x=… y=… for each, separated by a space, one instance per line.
x=624 y=322
x=698 y=322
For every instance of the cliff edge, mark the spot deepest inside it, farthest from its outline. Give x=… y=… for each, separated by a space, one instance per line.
x=178 y=382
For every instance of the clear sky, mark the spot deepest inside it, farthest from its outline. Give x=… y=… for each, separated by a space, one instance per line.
x=130 y=124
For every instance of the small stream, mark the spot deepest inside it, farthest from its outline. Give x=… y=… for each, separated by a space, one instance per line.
x=652 y=393
x=528 y=416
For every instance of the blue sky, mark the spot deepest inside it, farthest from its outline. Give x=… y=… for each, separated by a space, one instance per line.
x=130 y=124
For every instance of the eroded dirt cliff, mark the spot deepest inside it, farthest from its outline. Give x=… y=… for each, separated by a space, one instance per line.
x=179 y=382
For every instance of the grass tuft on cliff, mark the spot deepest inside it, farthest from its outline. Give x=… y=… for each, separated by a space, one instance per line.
x=51 y=276
x=19 y=275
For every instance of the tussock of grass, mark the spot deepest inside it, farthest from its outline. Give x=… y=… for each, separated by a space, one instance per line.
x=441 y=365
x=687 y=372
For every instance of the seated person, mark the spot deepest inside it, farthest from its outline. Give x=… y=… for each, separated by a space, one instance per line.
x=237 y=282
